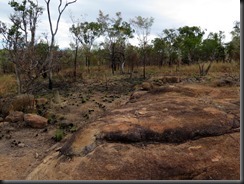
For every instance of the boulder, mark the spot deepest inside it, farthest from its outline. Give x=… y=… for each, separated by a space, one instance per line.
x=35 y=121
x=147 y=86
x=15 y=116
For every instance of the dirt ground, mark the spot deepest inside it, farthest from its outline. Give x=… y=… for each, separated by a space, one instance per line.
x=172 y=131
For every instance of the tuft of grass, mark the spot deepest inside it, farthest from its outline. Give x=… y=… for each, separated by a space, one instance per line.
x=7 y=85
x=193 y=70
x=59 y=135
x=233 y=67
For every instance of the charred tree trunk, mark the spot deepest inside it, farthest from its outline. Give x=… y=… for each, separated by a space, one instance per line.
x=75 y=62
x=50 y=72
x=144 y=64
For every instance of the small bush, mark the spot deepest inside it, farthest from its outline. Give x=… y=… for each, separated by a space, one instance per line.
x=59 y=135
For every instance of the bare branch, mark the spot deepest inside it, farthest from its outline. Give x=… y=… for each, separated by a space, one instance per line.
x=53 y=33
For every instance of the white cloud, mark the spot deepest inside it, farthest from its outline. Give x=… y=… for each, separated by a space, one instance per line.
x=213 y=15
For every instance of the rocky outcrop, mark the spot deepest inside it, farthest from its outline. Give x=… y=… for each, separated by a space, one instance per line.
x=35 y=121
x=185 y=132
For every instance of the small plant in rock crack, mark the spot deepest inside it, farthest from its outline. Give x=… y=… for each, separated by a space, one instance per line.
x=59 y=135
x=73 y=129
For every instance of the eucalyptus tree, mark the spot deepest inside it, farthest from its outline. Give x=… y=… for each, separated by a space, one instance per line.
x=54 y=30
x=160 y=49
x=143 y=28
x=190 y=39
x=19 y=40
x=116 y=33
x=212 y=48
x=75 y=46
x=233 y=47
x=86 y=33
x=132 y=58
x=172 y=45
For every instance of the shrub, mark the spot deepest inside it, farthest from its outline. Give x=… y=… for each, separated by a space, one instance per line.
x=59 y=135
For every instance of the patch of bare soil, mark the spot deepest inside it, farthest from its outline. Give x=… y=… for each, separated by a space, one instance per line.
x=173 y=131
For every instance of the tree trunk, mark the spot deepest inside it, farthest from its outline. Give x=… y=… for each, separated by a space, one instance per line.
x=50 y=73
x=144 y=65
x=160 y=61
x=113 y=66
x=112 y=57
x=75 y=62
x=18 y=79
x=123 y=67
x=88 y=63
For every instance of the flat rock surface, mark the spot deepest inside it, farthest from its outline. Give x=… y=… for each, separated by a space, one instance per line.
x=182 y=131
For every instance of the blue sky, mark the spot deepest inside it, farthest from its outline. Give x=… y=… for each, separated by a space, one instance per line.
x=213 y=15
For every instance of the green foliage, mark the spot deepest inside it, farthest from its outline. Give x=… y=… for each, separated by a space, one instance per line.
x=212 y=48
x=233 y=47
x=19 y=40
x=189 y=41
x=17 y=6
x=59 y=135
x=116 y=33
x=160 y=47
x=143 y=28
x=184 y=45
x=86 y=32
x=170 y=37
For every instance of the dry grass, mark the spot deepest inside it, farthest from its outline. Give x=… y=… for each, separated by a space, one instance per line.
x=193 y=70
x=233 y=67
x=104 y=74
x=7 y=84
